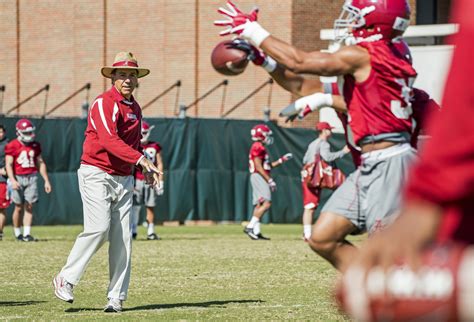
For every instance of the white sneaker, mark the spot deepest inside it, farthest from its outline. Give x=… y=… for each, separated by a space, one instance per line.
x=63 y=289
x=114 y=306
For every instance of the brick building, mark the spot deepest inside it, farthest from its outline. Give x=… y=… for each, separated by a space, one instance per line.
x=64 y=44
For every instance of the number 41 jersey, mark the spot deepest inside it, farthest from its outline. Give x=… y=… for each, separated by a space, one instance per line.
x=382 y=103
x=24 y=156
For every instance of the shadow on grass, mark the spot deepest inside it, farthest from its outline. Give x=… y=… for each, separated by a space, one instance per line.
x=19 y=303
x=171 y=306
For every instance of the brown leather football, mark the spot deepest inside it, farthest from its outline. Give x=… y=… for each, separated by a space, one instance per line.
x=227 y=60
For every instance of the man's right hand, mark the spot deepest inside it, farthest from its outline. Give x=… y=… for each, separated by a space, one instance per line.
x=272 y=184
x=346 y=149
x=14 y=184
x=150 y=171
x=253 y=53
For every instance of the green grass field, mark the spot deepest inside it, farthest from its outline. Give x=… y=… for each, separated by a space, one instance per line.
x=194 y=273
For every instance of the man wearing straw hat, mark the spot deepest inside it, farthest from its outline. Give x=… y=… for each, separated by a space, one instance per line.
x=110 y=152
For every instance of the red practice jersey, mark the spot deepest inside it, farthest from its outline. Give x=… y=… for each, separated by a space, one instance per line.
x=113 y=134
x=258 y=150
x=150 y=150
x=445 y=173
x=24 y=156
x=381 y=104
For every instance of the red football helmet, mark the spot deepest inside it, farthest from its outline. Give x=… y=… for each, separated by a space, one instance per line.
x=25 y=130
x=403 y=49
x=372 y=20
x=262 y=133
x=146 y=130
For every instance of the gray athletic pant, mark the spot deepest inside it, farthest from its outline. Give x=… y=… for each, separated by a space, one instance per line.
x=107 y=202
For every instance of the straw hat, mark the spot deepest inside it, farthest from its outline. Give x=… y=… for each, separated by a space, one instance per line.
x=124 y=60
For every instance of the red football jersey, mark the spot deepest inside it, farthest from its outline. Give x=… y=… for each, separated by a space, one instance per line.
x=381 y=104
x=258 y=150
x=150 y=150
x=113 y=134
x=445 y=172
x=24 y=156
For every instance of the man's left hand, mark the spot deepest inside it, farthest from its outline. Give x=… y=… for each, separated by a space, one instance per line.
x=236 y=19
x=47 y=187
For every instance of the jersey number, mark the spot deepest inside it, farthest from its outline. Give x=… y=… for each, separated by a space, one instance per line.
x=403 y=112
x=26 y=159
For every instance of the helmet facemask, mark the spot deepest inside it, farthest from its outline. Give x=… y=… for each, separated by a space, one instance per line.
x=26 y=136
x=145 y=135
x=268 y=139
x=350 y=17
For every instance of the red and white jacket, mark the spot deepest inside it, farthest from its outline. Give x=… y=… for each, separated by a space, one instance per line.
x=113 y=134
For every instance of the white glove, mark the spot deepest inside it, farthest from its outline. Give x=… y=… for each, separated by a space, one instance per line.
x=272 y=184
x=307 y=104
x=160 y=188
x=285 y=158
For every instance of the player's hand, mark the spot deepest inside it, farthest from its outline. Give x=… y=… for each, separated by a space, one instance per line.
x=15 y=185
x=346 y=149
x=285 y=158
x=160 y=188
x=307 y=104
x=272 y=184
x=253 y=53
x=235 y=19
x=47 y=187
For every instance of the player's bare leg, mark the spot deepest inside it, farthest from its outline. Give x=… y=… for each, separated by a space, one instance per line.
x=328 y=239
x=253 y=227
x=307 y=223
x=27 y=222
x=17 y=219
x=150 y=219
x=2 y=221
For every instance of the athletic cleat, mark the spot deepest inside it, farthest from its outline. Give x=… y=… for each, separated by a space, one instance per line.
x=29 y=238
x=250 y=233
x=134 y=236
x=153 y=237
x=20 y=238
x=113 y=306
x=261 y=237
x=63 y=289
x=1 y=236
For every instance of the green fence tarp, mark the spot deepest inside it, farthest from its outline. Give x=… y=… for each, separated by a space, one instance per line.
x=206 y=162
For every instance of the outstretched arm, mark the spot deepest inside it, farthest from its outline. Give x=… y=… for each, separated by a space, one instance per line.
x=329 y=156
x=292 y=82
x=349 y=60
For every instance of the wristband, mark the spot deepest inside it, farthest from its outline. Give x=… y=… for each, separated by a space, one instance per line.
x=139 y=160
x=269 y=64
x=254 y=33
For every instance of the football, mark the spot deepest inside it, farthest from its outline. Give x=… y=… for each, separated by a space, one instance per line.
x=441 y=290
x=227 y=60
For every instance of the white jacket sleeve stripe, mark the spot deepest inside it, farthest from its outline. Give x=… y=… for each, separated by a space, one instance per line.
x=102 y=116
